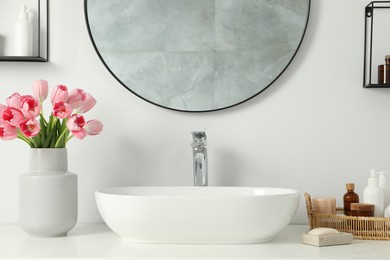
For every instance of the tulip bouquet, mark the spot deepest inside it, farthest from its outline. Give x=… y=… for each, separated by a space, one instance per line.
x=23 y=117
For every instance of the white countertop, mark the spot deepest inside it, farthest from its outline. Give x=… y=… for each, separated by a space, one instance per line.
x=98 y=241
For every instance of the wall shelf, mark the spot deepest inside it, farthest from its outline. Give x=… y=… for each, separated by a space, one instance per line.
x=40 y=20
x=23 y=58
x=377 y=86
x=376 y=42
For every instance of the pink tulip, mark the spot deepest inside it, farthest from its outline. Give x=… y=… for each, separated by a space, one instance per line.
x=22 y=116
x=30 y=106
x=60 y=94
x=76 y=98
x=14 y=100
x=8 y=132
x=87 y=105
x=62 y=110
x=81 y=101
x=77 y=126
x=30 y=127
x=40 y=89
x=93 y=127
x=11 y=116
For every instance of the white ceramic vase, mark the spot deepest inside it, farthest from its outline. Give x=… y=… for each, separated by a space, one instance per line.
x=48 y=194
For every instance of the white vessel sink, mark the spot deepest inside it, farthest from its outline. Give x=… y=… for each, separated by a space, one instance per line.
x=200 y=215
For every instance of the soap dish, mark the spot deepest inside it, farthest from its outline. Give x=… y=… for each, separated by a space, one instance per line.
x=327 y=240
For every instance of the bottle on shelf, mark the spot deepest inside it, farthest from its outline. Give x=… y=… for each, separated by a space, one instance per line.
x=384 y=71
x=383 y=184
x=350 y=197
x=23 y=34
x=373 y=194
x=387 y=212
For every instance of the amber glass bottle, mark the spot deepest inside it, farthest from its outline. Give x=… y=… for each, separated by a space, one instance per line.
x=350 y=197
x=384 y=71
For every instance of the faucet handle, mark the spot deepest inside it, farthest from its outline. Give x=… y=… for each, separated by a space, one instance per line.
x=199 y=136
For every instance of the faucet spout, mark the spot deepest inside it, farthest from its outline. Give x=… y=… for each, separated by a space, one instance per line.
x=199 y=150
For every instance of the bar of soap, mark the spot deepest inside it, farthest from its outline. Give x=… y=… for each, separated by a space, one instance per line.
x=323 y=231
x=326 y=237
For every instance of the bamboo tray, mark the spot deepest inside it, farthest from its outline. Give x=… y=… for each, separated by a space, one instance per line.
x=369 y=228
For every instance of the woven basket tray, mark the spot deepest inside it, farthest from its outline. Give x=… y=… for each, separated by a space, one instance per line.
x=370 y=228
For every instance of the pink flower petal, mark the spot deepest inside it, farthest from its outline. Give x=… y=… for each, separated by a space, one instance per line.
x=79 y=134
x=41 y=89
x=60 y=94
x=14 y=100
x=87 y=105
x=8 y=132
x=62 y=110
x=93 y=127
x=30 y=106
x=76 y=98
x=30 y=127
x=12 y=116
x=75 y=125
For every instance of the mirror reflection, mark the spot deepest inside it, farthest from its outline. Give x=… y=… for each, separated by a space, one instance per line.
x=198 y=55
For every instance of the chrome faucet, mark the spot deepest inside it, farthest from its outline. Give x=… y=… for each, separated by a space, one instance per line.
x=199 y=149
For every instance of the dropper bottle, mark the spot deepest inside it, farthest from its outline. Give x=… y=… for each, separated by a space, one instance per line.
x=350 y=197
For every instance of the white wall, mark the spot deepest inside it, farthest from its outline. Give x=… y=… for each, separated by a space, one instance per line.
x=313 y=130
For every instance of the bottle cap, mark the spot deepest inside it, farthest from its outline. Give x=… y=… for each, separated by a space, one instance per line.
x=387 y=57
x=23 y=15
x=373 y=180
x=350 y=186
x=382 y=179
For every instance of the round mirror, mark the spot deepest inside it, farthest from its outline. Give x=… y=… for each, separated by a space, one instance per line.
x=196 y=56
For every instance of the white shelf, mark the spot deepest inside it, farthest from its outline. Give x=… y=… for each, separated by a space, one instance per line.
x=97 y=241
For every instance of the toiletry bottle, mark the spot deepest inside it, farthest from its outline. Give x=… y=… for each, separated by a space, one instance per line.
x=384 y=71
x=385 y=188
x=373 y=194
x=23 y=34
x=387 y=212
x=350 y=197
